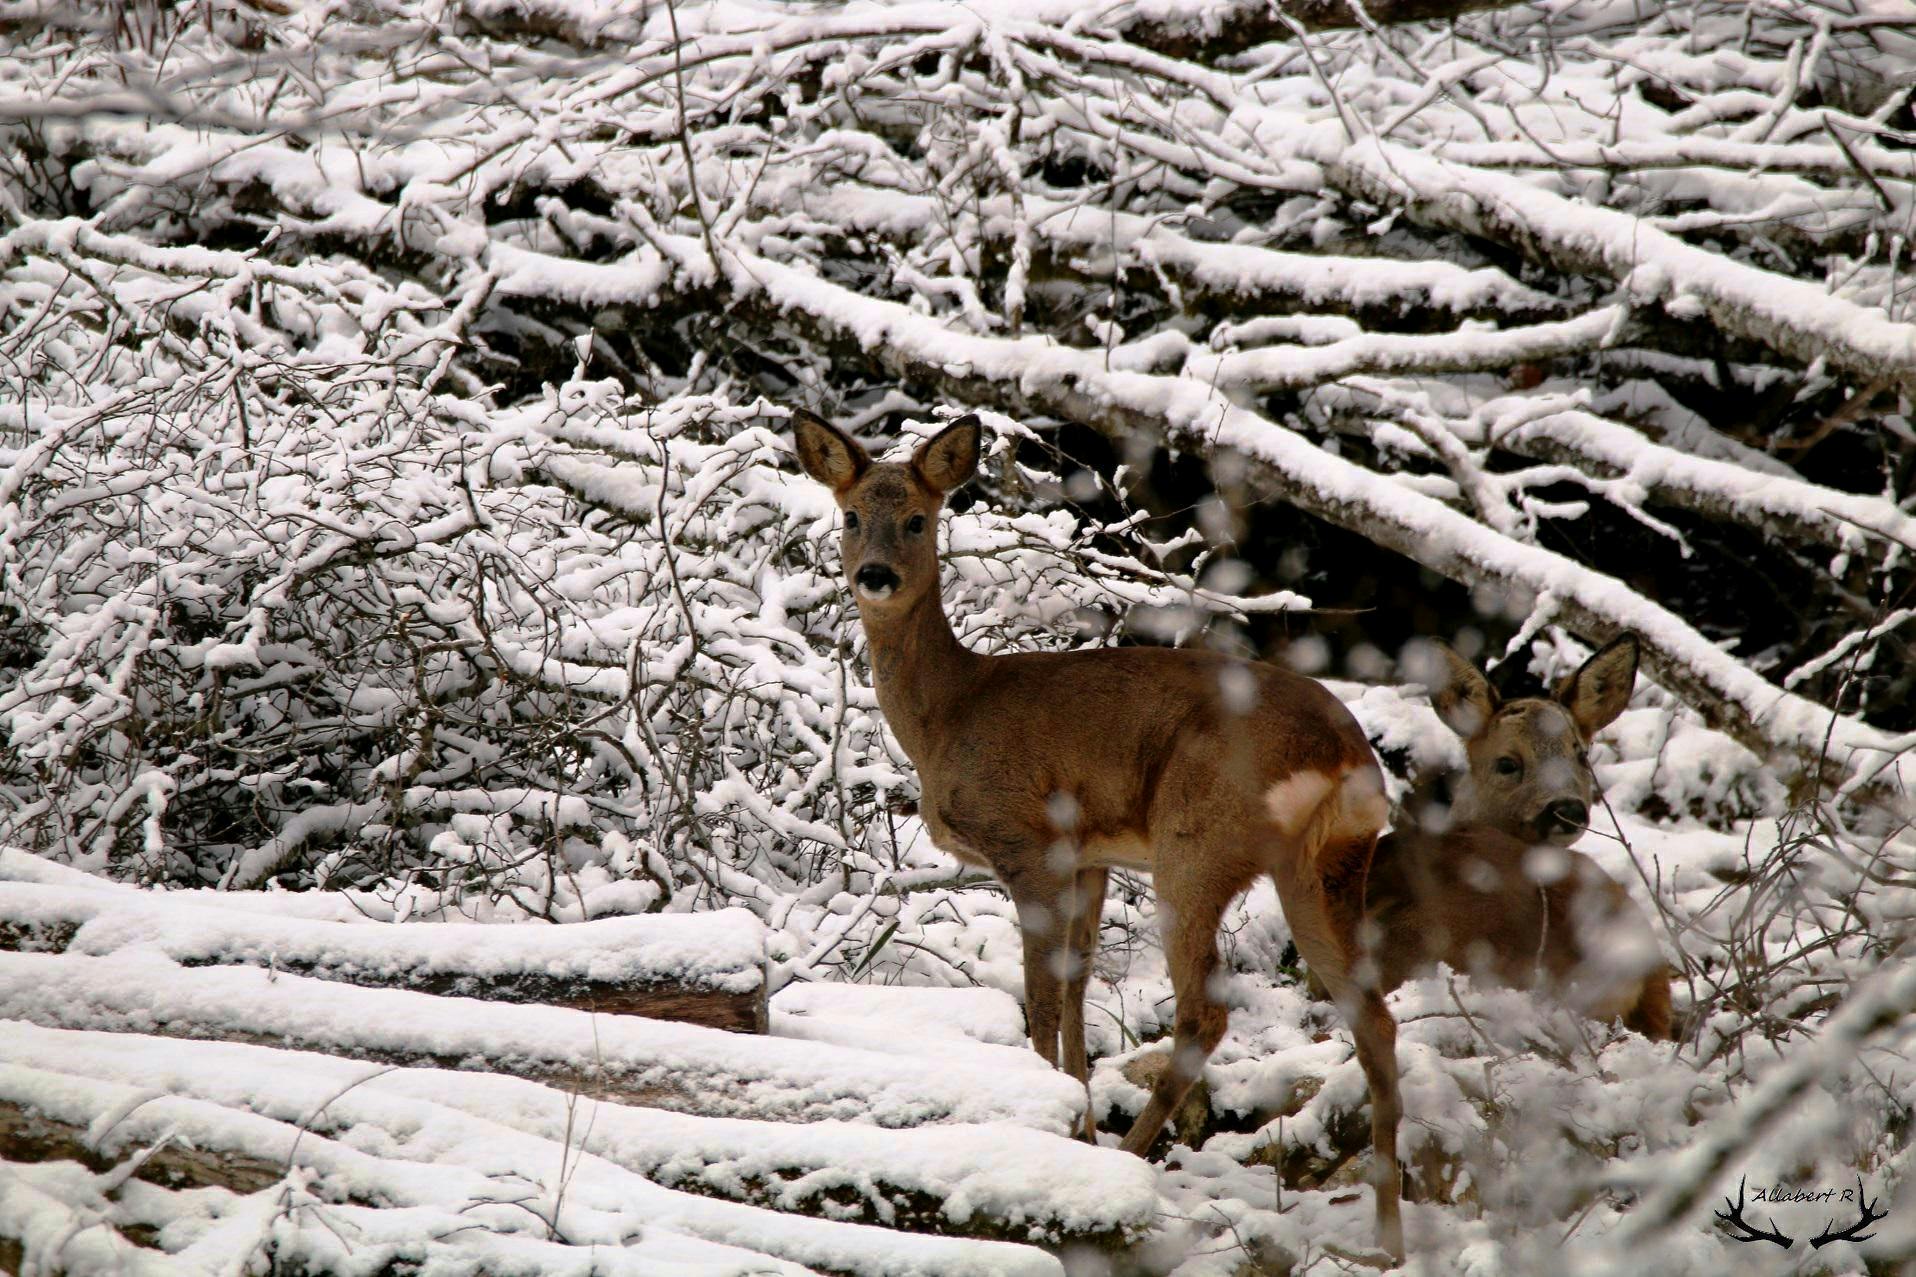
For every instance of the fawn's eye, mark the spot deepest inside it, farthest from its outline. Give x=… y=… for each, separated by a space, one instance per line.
x=915 y=524
x=851 y=521
x=1507 y=766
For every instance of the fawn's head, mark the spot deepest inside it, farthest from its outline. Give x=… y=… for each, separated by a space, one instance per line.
x=890 y=536
x=1529 y=758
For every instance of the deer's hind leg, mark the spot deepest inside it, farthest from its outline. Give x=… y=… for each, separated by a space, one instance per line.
x=1324 y=918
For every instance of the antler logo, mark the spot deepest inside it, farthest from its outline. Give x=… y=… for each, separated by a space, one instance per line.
x=1740 y=1229
x=1854 y=1233
x=1733 y=1221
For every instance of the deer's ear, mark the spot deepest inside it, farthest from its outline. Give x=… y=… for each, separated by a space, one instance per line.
x=950 y=457
x=1461 y=695
x=828 y=454
x=1600 y=690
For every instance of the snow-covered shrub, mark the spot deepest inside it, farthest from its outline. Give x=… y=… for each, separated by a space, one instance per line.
x=296 y=615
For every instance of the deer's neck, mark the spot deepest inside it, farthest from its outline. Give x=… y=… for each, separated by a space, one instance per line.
x=921 y=672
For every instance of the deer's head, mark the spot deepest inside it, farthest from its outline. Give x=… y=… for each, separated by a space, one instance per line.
x=890 y=536
x=1529 y=758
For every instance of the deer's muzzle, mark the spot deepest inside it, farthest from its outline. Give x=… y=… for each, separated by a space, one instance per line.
x=876 y=581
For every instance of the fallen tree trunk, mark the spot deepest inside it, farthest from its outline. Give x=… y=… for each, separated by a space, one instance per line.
x=682 y=1067
x=29 y=1135
x=706 y=969
x=270 y=1113
x=983 y=1182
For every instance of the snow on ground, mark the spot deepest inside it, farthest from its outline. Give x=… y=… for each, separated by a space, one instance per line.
x=1488 y=1076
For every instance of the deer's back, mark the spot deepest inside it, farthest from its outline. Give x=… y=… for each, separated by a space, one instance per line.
x=1125 y=735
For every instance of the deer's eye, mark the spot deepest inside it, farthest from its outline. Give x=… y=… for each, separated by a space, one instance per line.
x=915 y=524
x=851 y=520
x=1507 y=766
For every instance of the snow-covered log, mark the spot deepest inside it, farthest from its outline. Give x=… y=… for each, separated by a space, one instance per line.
x=1652 y=267
x=986 y=1181
x=464 y=1178
x=683 y=1067
x=1210 y=31
x=706 y=969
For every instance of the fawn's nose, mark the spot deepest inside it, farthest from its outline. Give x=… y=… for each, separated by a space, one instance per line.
x=1565 y=816
x=876 y=580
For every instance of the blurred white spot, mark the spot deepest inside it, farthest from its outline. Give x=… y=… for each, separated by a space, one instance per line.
x=1308 y=655
x=1434 y=818
x=1423 y=664
x=1545 y=865
x=1368 y=664
x=1557 y=775
x=1063 y=810
x=1215 y=520
x=1369 y=933
x=1237 y=686
x=1227 y=576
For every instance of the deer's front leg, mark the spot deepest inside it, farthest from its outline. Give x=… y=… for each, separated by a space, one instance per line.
x=1044 y=928
x=1087 y=914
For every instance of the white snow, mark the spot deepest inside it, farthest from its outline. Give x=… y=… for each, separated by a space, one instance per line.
x=138 y=990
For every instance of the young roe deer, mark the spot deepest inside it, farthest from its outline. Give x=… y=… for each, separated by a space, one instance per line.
x=1496 y=893
x=1050 y=768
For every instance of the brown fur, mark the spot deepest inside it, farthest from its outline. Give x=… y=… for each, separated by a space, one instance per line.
x=1053 y=767
x=1470 y=898
x=1497 y=895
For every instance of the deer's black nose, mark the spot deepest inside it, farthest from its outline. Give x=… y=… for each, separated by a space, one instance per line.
x=876 y=578
x=1568 y=814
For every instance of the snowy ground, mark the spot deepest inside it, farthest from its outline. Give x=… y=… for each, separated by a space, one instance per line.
x=861 y=1110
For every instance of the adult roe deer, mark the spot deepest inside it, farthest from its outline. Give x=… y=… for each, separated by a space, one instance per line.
x=1496 y=893
x=1050 y=768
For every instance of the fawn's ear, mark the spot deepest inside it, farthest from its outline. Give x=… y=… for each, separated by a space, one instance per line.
x=828 y=454
x=1461 y=695
x=1600 y=690
x=950 y=457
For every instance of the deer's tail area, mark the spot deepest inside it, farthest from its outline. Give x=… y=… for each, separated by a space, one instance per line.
x=1333 y=820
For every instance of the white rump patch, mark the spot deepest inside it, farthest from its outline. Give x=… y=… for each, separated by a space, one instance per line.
x=1293 y=800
